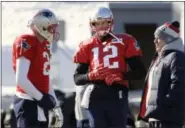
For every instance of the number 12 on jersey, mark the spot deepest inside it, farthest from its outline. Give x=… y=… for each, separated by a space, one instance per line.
x=106 y=58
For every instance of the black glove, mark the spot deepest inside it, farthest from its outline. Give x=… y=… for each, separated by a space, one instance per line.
x=47 y=102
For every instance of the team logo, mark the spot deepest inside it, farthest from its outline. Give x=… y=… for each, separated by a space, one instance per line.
x=47 y=14
x=24 y=44
x=119 y=40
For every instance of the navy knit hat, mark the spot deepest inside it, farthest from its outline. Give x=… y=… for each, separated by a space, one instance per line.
x=168 y=31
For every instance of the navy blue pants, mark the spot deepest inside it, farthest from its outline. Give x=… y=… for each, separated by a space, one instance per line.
x=26 y=114
x=110 y=113
x=161 y=124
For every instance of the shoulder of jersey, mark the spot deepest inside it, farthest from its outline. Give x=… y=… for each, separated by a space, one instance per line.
x=30 y=39
x=126 y=38
x=87 y=41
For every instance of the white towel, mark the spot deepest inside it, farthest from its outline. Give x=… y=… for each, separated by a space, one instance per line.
x=82 y=113
x=41 y=116
x=86 y=96
x=79 y=111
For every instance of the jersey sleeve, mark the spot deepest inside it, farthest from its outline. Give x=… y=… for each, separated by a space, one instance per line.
x=81 y=55
x=132 y=48
x=24 y=47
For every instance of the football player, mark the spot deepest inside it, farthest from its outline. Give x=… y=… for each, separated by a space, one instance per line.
x=34 y=95
x=102 y=63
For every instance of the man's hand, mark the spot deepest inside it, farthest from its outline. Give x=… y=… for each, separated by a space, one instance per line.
x=59 y=119
x=47 y=102
x=99 y=74
x=114 y=78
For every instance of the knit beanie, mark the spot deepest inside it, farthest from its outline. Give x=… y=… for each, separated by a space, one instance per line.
x=168 y=31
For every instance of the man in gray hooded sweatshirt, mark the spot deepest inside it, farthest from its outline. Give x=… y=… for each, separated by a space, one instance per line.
x=163 y=99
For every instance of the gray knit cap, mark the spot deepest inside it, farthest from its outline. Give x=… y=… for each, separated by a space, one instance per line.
x=168 y=32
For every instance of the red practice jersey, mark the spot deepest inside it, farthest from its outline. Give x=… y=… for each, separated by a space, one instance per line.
x=38 y=53
x=111 y=53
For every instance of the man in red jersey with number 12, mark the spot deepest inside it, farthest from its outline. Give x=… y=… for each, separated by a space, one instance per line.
x=102 y=63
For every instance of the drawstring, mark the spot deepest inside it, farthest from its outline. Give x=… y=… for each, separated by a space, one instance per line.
x=116 y=38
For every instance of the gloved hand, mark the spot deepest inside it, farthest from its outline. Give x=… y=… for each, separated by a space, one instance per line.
x=47 y=102
x=99 y=73
x=113 y=78
x=59 y=119
x=84 y=124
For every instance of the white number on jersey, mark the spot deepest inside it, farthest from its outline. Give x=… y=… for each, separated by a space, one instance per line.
x=46 y=64
x=106 y=59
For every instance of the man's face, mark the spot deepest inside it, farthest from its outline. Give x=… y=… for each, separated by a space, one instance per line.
x=159 y=44
x=102 y=27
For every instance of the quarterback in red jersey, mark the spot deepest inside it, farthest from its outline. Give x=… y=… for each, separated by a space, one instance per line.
x=102 y=63
x=29 y=47
x=31 y=62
